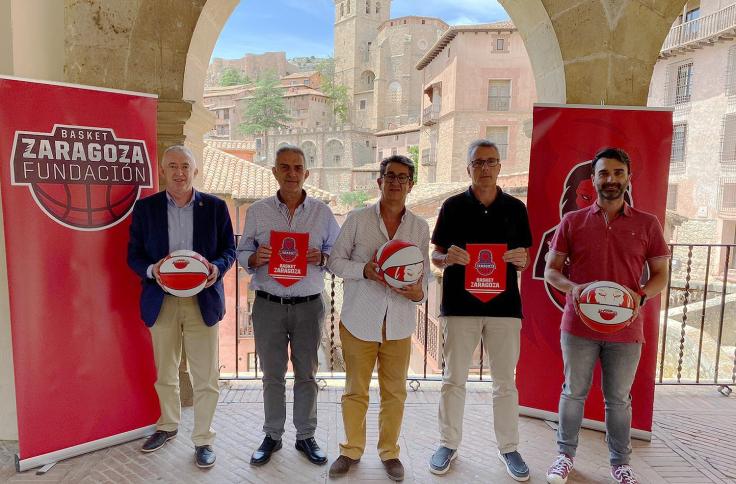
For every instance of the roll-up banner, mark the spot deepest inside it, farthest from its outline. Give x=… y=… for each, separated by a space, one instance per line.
x=564 y=140
x=73 y=161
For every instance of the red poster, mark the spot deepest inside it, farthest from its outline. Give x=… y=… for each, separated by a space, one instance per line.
x=563 y=141
x=485 y=274
x=73 y=161
x=288 y=263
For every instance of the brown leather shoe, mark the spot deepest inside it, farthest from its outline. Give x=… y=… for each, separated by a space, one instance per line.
x=394 y=469
x=342 y=465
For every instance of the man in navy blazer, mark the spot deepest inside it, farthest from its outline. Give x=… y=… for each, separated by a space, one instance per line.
x=182 y=218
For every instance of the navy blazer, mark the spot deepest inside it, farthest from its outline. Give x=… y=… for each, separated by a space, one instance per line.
x=149 y=243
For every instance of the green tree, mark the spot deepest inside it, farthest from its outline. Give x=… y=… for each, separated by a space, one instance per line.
x=337 y=93
x=354 y=199
x=233 y=77
x=414 y=156
x=266 y=108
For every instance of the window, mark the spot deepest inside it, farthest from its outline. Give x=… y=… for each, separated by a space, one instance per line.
x=679 y=143
x=394 y=151
x=731 y=72
x=683 y=83
x=692 y=14
x=499 y=95
x=367 y=144
x=226 y=114
x=337 y=159
x=362 y=104
x=727 y=196
x=342 y=10
x=251 y=362
x=380 y=155
x=306 y=82
x=378 y=7
x=367 y=6
x=500 y=44
x=728 y=139
x=500 y=136
x=671 y=197
x=349 y=6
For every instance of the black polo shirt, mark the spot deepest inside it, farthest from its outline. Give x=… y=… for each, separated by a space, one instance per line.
x=465 y=220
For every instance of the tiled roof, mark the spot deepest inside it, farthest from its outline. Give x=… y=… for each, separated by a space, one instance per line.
x=228 y=175
x=231 y=144
x=297 y=75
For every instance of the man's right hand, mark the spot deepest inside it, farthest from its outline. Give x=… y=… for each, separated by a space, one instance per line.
x=576 y=290
x=370 y=271
x=260 y=257
x=156 y=273
x=456 y=255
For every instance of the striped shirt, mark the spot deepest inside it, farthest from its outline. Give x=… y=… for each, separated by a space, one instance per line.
x=366 y=303
x=312 y=217
x=180 y=222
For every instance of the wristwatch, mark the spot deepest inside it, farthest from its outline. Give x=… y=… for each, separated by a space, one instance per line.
x=643 y=296
x=322 y=259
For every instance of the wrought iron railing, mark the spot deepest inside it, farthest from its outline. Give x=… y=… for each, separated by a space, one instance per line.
x=697 y=326
x=701 y=28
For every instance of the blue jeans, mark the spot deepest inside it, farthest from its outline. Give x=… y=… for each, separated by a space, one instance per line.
x=618 y=365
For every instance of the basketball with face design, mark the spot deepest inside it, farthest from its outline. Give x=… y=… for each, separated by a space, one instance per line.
x=606 y=307
x=183 y=273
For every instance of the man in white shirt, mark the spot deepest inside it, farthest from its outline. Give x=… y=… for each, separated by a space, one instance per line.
x=377 y=320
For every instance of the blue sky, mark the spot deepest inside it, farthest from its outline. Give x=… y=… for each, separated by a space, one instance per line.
x=304 y=27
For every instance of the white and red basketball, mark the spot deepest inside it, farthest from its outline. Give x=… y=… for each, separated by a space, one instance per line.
x=183 y=273
x=606 y=307
x=400 y=263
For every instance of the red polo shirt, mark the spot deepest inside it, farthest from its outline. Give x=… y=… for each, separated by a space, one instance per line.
x=601 y=250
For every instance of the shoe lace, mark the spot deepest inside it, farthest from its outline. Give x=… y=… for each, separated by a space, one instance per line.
x=562 y=466
x=624 y=475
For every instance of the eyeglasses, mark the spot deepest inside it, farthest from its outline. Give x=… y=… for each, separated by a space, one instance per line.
x=402 y=179
x=490 y=162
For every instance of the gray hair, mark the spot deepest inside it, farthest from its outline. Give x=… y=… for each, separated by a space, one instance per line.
x=290 y=149
x=180 y=149
x=478 y=144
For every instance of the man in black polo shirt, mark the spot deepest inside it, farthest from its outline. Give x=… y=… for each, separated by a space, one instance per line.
x=482 y=215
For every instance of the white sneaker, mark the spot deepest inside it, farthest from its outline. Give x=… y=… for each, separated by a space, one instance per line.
x=559 y=470
x=623 y=474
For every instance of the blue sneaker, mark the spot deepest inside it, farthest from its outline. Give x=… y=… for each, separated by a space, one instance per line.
x=440 y=462
x=515 y=465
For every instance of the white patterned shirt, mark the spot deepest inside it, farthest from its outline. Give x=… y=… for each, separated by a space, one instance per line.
x=367 y=303
x=311 y=216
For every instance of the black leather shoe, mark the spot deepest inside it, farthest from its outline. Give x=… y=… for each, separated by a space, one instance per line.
x=311 y=450
x=204 y=456
x=263 y=453
x=157 y=440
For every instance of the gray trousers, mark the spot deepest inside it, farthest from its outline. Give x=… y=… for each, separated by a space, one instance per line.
x=279 y=328
x=618 y=366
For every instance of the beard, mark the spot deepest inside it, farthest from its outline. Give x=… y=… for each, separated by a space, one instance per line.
x=611 y=191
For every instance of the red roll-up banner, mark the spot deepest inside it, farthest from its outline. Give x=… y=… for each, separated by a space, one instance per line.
x=73 y=161
x=564 y=140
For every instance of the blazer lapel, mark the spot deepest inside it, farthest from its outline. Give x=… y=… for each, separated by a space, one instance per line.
x=198 y=222
x=161 y=217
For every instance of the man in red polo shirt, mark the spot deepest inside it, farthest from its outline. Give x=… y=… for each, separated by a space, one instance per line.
x=609 y=241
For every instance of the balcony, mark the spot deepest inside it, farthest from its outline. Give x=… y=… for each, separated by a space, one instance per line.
x=430 y=115
x=701 y=32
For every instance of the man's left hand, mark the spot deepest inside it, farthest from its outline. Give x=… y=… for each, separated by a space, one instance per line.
x=314 y=256
x=413 y=292
x=214 y=272
x=636 y=298
x=519 y=257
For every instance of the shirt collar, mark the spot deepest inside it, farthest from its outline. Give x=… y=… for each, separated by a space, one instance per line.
x=305 y=200
x=595 y=208
x=171 y=200
x=377 y=207
x=469 y=193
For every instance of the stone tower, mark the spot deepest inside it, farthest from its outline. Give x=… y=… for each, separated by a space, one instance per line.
x=356 y=28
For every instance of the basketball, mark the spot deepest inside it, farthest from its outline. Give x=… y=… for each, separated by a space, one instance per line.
x=183 y=273
x=400 y=263
x=606 y=307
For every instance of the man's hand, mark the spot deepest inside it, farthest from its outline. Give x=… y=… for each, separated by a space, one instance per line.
x=314 y=256
x=370 y=271
x=518 y=257
x=260 y=257
x=577 y=289
x=636 y=298
x=456 y=255
x=214 y=272
x=413 y=292
x=155 y=272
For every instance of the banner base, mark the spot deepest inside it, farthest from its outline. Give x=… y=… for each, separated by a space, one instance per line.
x=639 y=434
x=22 y=465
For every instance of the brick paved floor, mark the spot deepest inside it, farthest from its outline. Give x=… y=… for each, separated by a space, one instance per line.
x=694 y=442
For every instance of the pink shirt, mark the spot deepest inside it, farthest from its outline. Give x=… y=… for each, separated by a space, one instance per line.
x=598 y=250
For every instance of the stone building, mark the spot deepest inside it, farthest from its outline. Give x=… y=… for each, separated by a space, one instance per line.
x=478 y=83
x=696 y=75
x=251 y=65
x=375 y=57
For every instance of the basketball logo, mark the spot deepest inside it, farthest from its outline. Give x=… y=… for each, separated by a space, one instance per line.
x=400 y=263
x=84 y=178
x=606 y=307
x=288 y=250
x=485 y=265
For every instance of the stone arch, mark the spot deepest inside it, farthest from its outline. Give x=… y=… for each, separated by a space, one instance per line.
x=367 y=79
x=310 y=153
x=334 y=153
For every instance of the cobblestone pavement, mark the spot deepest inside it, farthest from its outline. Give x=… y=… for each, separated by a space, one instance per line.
x=693 y=443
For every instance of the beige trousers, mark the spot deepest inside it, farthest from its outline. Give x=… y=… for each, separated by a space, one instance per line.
x=180 y=322
x=501 y=341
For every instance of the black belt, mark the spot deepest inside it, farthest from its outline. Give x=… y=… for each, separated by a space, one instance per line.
x=287 y=300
